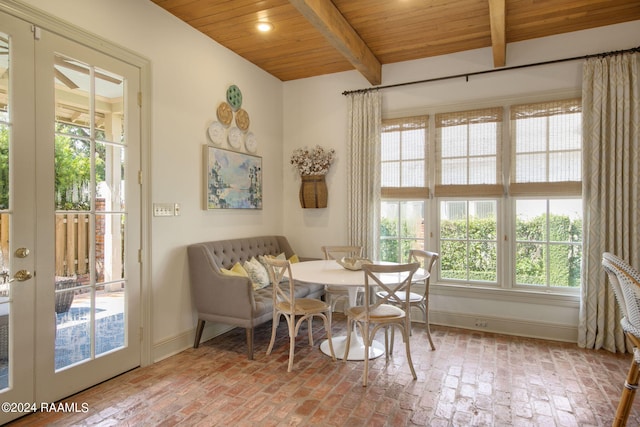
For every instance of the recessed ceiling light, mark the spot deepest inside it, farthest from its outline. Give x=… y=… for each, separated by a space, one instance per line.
x=264 y=26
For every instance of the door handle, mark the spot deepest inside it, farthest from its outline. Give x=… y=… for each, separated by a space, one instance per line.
x=22 y=252
x=21 y=276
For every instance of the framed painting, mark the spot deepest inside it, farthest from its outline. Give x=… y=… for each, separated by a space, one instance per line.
x=233 y=180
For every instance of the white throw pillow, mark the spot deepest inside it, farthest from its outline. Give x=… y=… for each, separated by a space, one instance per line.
x=257 y=273
x=280 y=257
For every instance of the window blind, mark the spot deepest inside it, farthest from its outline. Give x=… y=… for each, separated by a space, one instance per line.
x=468 y=160
x=546 y=141
x=404 y=157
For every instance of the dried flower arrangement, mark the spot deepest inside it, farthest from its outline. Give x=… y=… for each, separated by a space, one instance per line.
x=314 y=161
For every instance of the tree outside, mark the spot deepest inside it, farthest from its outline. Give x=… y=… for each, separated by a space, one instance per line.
x=73 y=167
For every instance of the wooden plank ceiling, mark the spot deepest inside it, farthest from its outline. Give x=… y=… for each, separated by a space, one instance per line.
x=315 y=37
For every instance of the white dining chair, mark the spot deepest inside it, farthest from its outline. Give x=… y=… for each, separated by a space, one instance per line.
x=285 y=304
x=371 y=316
x=333 y=294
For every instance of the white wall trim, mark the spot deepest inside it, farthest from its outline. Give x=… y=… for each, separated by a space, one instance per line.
x=65 y=29
x=506 y=326
x=176 y=344
x=478 y=322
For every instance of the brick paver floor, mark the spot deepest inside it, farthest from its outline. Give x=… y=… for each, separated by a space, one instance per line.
x=471 y=379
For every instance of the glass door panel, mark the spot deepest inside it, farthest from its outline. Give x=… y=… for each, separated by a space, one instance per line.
x=94 y=277
x=90 y=169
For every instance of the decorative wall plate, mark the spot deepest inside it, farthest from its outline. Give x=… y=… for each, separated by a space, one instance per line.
x=225 y=113
x=216 y=133
x=234 y=97
x=242 y=119
x=235 y=138
x=250 y=142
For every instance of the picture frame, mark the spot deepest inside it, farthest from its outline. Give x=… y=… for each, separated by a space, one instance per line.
x=232 y=180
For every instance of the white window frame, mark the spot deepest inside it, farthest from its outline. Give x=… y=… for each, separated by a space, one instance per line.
x=505 y=206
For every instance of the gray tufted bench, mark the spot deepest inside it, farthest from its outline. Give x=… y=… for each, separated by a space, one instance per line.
x=230 y=299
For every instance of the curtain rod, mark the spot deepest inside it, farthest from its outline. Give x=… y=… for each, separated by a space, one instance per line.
x=493 y=70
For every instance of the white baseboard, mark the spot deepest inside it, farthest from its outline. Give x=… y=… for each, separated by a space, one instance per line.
x=517 y=327
x=176 y=344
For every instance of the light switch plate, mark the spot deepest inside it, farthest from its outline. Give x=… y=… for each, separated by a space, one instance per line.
x=163 y=209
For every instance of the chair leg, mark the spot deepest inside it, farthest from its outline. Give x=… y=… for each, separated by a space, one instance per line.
x=405 y=336
x=365 y=339
x=348 y=340
x=424 y=307
x=292 y=340
x=310 y=328
x=199 y=329
x=274 y=326
x=393 y=338
x=428 y=329
x=327 y=328
x=388 y=350
x=250 y=343
x=628 y=394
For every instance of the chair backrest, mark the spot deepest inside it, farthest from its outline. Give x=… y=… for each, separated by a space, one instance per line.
x=337 y=252
x=392 y=279
x=625 y=282
x=281 y=292
x=426 y=259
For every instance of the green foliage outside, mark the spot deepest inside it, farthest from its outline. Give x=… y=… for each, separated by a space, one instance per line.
x=72 y=167
x=565 y=251
x=394 y=249
x=468 y=250
x=472 y=260
x=4 y=167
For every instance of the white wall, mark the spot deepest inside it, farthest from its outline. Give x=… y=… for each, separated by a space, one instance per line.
x=315 y=112
x=190 y=75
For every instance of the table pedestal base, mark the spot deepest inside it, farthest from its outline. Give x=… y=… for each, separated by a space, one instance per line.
x=356 y=350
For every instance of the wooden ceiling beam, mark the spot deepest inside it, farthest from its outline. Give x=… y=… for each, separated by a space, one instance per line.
x=498 y=32
x=327 y=19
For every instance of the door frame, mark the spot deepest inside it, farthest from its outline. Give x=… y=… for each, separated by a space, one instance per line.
x=40 y=19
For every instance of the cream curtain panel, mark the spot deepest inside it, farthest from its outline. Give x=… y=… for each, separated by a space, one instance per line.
x=611 y=186
x=363 y=174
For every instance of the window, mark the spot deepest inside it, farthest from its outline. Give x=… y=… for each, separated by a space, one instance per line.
x=548 y=242
x=404 y=157
x=547 y=161
x=501 y=199
x=468 y=241
x=468 y=157
x=401 y=229
x=546 y=144
x=404 y=170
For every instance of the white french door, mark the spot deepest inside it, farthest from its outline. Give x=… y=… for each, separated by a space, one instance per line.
x=70 y=218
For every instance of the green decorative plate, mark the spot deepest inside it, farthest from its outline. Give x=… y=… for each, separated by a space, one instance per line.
x=234 y=97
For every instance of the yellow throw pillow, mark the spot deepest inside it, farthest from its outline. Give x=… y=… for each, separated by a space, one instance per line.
x=292 y=259
x=236 y=270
